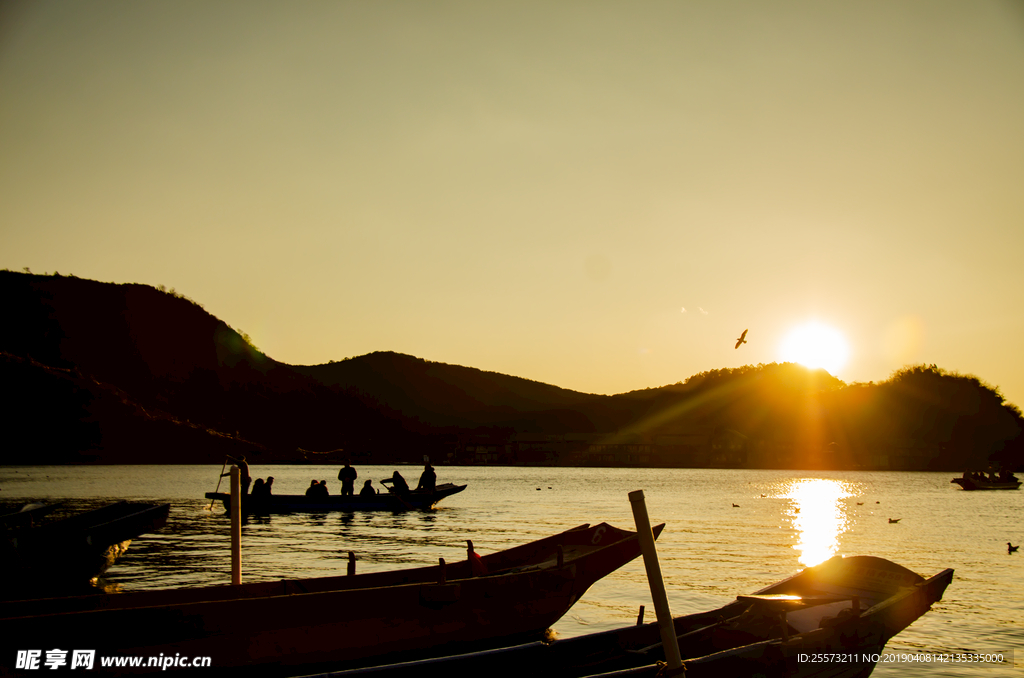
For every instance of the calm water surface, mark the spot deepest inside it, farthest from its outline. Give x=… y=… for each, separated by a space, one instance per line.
x=710 y=551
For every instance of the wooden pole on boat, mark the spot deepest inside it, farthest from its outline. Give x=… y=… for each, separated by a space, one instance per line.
x=236 y=526
x=654 y=579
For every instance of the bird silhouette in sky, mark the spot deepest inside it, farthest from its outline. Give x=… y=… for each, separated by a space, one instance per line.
x=742 y=339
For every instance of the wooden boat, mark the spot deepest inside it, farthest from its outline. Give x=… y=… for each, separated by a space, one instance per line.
x=28 y=516
x=389 y=501
x=344 y=620
x=977 y=483
x=76 y=549
x=844 y=608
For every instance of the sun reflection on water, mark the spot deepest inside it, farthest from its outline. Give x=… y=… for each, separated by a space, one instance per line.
x=819 y=516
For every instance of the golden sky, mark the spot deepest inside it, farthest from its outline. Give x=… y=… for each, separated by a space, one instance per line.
x=597 y=195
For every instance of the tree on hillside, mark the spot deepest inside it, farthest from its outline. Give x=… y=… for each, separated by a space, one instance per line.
x=965 y=418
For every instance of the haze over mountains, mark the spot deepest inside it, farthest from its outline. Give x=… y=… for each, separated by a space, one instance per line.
x=127 y=373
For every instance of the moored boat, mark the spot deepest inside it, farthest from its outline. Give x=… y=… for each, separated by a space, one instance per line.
x=843 y=610
x=385 y=501
x=345 y=620
x=75 y=549
x=979 y=482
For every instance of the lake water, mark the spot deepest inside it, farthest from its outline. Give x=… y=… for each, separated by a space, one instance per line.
x=710 y=550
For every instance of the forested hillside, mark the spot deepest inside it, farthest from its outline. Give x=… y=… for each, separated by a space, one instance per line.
x=129 y=373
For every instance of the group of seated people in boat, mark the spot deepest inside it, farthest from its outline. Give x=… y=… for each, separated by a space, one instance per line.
x=396 y=483
x=1004 y=475
x=347 y=475
x=317 y=489
x=260 y=494
x=261 y=489
x=428 y=481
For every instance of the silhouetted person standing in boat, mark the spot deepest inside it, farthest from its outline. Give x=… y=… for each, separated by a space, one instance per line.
x=428 y=479
x=243 y=475
x=347 y=475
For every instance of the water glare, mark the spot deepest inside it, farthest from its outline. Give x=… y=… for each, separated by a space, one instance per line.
x=819 y=517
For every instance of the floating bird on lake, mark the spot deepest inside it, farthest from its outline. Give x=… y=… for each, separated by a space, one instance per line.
x=895 y=520
x=742 y=339
x=860 y=503
x=735 y=505
x=1010 y=548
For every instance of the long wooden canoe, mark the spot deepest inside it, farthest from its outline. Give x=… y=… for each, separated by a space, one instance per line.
x=339 y=621
x=386 y=501
x=833 y=619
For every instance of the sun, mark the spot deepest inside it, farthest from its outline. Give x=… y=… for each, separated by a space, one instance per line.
x=815 y=345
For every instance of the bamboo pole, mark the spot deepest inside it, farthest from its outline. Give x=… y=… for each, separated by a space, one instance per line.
x=236 y=526
x=654 y=579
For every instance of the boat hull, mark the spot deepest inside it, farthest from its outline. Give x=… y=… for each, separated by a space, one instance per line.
x=297 y=503
x=337 y=621
x=72 y=551
x=975 y=484
x=891 y=597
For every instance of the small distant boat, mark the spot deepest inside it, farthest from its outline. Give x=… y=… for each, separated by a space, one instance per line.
x=385 y=501
x=844 y=610
x=976 y=483
x=73 y=550
x=289 y=626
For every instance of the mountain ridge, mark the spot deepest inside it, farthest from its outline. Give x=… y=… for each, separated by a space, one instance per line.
x=127 y=372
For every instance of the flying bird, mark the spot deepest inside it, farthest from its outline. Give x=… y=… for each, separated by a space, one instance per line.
x=1010 y=548
x=742 y=339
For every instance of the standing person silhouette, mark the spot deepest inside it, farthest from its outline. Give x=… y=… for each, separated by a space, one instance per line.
x=347 y=475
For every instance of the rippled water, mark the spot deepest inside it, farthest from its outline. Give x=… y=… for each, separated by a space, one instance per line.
x=710 y=551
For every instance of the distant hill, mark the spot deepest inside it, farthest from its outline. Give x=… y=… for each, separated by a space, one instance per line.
x=441 y=395
x=128 y=373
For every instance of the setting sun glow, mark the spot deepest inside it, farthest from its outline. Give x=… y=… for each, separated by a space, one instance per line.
x=815 y=345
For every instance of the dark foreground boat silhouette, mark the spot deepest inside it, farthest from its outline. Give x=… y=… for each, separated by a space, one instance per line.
x=509 y=596
x=71 y=551
x=833 y=619
x=385 y=501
